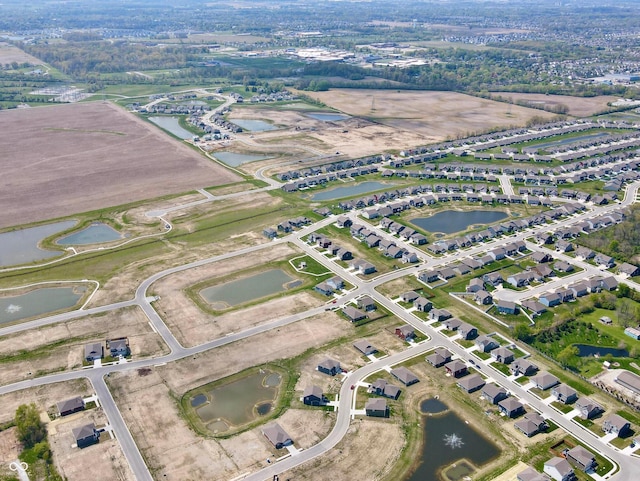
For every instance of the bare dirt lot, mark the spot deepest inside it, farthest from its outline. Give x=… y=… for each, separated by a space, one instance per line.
x=173 y=450
x=434 y=116
x=578 y=106
x=106 y=458
x=61 y=346
x=61 y=160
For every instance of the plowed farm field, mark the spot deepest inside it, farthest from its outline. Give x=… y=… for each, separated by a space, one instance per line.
x=61 y=160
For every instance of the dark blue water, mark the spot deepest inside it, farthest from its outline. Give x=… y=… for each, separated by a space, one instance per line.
x=438 y=449
x=451 y=221
x=432 y=406
x=585 y=350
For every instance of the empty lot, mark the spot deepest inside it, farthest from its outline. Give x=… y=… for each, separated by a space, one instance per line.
x=61 y=160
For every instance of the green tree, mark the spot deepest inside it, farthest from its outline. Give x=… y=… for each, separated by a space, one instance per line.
x=30 y=429
x=568 y=355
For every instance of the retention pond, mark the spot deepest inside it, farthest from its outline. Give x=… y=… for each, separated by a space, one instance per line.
x=585 y=350
x=94 y=234
x=171 y=124
x=248 y=289
x=21 y=246
x=348 y=191
x=38 y=302
x=450 y=221
x=233 y=159
x=238 y=402
x=451 y=449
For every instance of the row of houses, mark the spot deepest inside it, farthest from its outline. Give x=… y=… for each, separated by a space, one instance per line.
x=286 y=227
x=114 y=348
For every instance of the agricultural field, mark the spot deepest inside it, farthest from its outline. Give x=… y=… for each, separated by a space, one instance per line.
x=82 y=157
x=577 y=106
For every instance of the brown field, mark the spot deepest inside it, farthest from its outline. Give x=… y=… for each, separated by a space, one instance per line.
x=434 y=116
x=578 y=106
x=70 y=337
x=61 y=160
x=10 y=53
x=173 y=450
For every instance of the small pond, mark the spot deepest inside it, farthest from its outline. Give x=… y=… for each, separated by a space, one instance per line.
x=171 y=124
x=585 y=350
x=239 y=402
x=38 y=302
x=254 y=125
x=348 y=191
x=447 y=440
x=432 y=406
x=328 y=116
x=21 y=246
x=234 y=160
x=248 y=289
x=450 y=221
x=94 y=234
x=198 y=400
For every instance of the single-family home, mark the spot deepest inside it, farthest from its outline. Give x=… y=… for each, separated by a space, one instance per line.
x=380 y=387
x=313 y=396
x=452 y=324
x=559 y=469
x=544 y=380
x=330 y=367
x=580 y=457
x=587 y=407
x=532 y=424
x=503 y=355
x=493 y=278
x=364 y=347
x=563 y=266
x=439 y=358
x=405 y=376
x=604 y=260
x=422 y=304
x=353 y=314
x=486 y=343
x=366 y=304
x=428 y=276
x=506 y=307
x=476 y=284
x=550 y=299
x=564 y=393
x=276 y=435
x=406 y=332
x=541 y=257
x=467 y=331
x=439 y=315
x=70 y=406
x=93 y=351
x=86 y=435
x=456 y=368
x=531 y=474
x=471 y=383
x=511 y=407
x=615 y=423
x=534 y=306
x=523 y=367
x=628 y=269
x=335 y=283
x=376 y=407
x=118 y=347
x=409 y=296
x=483 y=298
x=494 y=394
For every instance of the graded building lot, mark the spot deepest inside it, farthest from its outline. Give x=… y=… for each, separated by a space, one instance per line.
x=578 y=106
x=434 y=116
x=149 y=403
x=105 y=460
x=60 y=347
x=66 y=159
x=192 y=326
x=9 y=450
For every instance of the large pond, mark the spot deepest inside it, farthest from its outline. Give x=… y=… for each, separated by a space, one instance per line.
x=172 y=125
x=327 y=116
x=249 y=288
x=234 y=160
x=447 y=440
x=572 y=140
x=254 y=125
x=348 y=191
x=21 y=246
x=94 y=234
x=38 y=302
x=585 y=350
x=238 y=402
x=450 y=221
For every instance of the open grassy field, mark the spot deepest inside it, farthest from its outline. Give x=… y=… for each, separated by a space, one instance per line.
x=61 y=160
x=435 y=116
x=578 y=106
x=10 y=53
